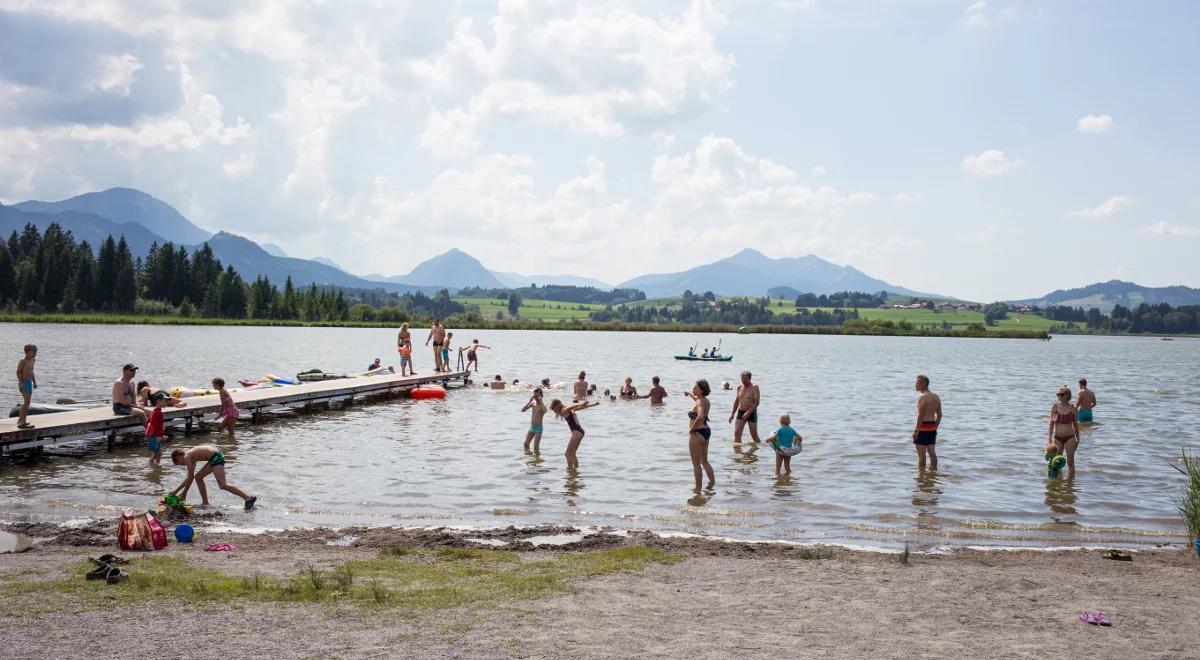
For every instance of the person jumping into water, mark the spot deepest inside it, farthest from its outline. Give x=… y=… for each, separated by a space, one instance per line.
x=745 y=408
x=1063 y=429
x=929 y=417
x=473 y=354
x=567 y=414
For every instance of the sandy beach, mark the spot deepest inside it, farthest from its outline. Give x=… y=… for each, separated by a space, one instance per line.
x=620 y=596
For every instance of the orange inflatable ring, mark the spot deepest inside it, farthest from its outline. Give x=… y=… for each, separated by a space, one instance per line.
x=428 y=392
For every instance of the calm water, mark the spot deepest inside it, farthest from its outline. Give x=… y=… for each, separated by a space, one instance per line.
x=459 y=461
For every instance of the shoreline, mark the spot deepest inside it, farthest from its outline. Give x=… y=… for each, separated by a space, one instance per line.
x=460 y=323
x=308 y=593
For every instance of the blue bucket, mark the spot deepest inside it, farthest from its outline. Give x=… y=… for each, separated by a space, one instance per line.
x=1198 y=548
x=184 y=533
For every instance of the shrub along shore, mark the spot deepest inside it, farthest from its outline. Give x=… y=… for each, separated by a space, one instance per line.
x=856 y=327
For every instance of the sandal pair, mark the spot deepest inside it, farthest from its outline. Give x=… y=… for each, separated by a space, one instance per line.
x=110 y=574
x=1095 y=618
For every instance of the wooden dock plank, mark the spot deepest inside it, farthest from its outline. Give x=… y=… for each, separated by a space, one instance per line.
x=102 y=420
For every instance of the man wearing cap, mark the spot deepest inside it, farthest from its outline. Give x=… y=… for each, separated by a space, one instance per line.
x=124 y=398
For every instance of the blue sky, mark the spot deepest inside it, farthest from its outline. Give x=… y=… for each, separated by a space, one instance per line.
x=982 y=149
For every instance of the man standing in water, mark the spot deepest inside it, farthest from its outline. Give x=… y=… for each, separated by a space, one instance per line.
x=657 y=392
x=437 y=333
x=745 y=408
x=929 y=417
x=581 y=387
x=1084 y=402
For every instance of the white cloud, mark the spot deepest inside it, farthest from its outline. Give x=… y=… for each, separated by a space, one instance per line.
x=979 y=15
x=908 y=198
x=1094 y=124
x=984 y=236
x=989 y=163
x=1106 y=208
x=116 y=74
x=598 y=69
x=1163 y=228
x=819 y=170
x=795 y=5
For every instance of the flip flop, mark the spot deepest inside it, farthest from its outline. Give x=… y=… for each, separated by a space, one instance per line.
x=1095 y=618
x=26 y=426
x=115 y=575
x=1118 y=555
x=98 y=573
x=111 y=559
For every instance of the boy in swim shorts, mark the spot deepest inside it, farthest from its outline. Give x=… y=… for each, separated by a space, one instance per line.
x=211 y=461
x=446 y=351
x=27 y=383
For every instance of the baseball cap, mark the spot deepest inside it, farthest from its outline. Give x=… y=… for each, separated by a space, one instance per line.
x=129 y=367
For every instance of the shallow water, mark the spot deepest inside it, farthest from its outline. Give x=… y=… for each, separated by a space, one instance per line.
x=459 y=461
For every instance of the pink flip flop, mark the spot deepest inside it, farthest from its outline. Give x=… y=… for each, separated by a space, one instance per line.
x=1095 y=618
x=220 y=547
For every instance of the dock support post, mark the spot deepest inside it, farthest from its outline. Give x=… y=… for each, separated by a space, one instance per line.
x=187 y=426
x=112 y=440
x=255 y=416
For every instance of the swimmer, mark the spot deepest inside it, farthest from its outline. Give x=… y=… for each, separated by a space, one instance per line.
x=582 y=389
x=657 y=392
x=628 y=391
x=497 y=383
x=1064 y=429
x=567 y=413
x=1085 y=402
x=535 y=420
x=929 y=417
x=699 y=433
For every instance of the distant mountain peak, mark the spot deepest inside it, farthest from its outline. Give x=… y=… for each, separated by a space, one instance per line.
x=128 y=205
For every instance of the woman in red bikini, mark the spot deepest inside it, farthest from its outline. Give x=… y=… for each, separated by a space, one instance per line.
x=1064 y=429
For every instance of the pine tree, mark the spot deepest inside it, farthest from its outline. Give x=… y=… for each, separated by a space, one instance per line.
x=84 y=278
x=106 y=275
x=8 y=276
x=125 y=291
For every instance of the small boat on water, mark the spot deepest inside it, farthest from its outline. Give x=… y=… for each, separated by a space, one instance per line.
x=699 y=358
x=1167 y=338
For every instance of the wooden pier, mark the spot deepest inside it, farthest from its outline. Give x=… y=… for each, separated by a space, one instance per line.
x=54 y=428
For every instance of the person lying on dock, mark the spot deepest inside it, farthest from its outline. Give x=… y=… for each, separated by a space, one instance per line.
x=212 y=461
x=145 y=396
x=124 y=397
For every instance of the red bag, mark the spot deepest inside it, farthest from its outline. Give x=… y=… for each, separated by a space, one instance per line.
x=133 y=533
x=158 y=534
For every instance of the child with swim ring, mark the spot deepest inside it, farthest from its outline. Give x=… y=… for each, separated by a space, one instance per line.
x=786 y=442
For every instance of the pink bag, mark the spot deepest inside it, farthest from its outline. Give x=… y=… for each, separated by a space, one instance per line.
x=158 y=534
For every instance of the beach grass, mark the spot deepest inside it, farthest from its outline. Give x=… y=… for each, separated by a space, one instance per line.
x=412 y=579
x=1188 y=502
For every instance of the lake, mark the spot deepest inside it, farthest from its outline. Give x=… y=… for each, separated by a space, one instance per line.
x=459 y=461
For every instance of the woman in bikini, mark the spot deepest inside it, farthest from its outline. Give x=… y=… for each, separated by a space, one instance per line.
x=628 y=391
x=567 y=413
x=699 y=433
x=1064 y=429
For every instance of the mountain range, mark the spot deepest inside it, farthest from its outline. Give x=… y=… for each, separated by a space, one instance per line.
x=751 y=273
x=1106 y=295
x=143 y=220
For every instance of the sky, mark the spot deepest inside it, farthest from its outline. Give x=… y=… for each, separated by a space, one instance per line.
x=983 y=149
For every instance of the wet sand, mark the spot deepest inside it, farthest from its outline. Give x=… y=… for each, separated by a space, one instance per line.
x=721 y=599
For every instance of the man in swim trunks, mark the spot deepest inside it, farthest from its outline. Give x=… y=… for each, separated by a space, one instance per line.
x=745 y=408
x=124 y=398
x=1084 y=402
x=657 y=392
x=929 y=417
x=437 y=333
x=581 y=387
x=27 y=382
x=212 y=460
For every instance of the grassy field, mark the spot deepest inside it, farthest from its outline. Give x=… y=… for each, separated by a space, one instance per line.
x=928 y=317
x=532 y=310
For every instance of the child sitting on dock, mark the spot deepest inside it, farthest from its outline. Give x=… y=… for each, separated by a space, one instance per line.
x=155 y=429
x=213 y=461
x=27 y=381
x=229 y=410
x=786 y=442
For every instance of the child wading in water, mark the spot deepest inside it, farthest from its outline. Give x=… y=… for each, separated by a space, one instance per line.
x=27 y=382
x=229 y=411
x=155 y=430
x=535 y=420
x=213 y=461
x=567 y=413
x=786 y=442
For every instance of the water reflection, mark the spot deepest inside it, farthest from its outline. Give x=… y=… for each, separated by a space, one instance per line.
x=745 y=454
x=784 y=488
x=925 y=496
x=1060 y=497
x=572 y=485
x=702 y=497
